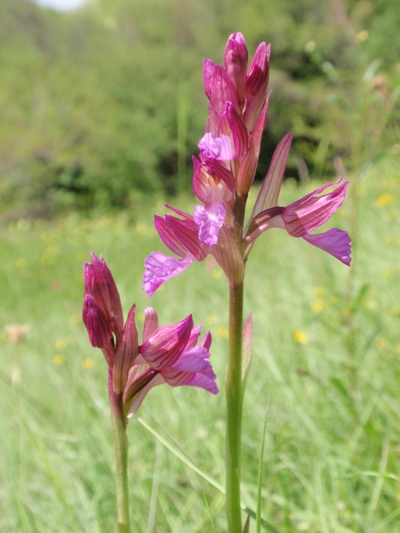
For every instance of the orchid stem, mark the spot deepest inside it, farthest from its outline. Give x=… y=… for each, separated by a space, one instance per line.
x=234 y=397
x=121 y=458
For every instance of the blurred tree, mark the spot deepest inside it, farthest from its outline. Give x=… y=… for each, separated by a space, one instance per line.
x=105 y=105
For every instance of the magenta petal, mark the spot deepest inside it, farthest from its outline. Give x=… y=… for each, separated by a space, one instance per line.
x=159 y=268
x=140 y=381
x=219 y=148
x=168 y=236
x=235 y=60
x=310 y=212
x=209 y=219
x=100 y=283
x=167 y=343
x=231 y=124
x=271 y=186
x=335 y=242
x=219 y=90
x=193 y=369
x=256 y=84
x=187 y=232
x=97 y=324
x=126 y=353
x=150 y=322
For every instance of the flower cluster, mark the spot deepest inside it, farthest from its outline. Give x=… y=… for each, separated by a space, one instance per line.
x=168 y=354
x=224 y=172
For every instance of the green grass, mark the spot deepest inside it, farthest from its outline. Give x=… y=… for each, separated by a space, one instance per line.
x=326 y=352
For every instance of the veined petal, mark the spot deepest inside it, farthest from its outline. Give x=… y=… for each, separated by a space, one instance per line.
x=209 y=219
x=235 y=60
x=167 y=343
x=207 y=186
x=150 y=322
x=211 y=169
x=232 y=125
x=187 y=232
x=219 y=148
x=271 y=186
x=256 y=85
x=270 y=218
x=159 y=268
x=141 y=379
x=219 y=90
x=97 y=324
x=335 y=242
x=194 y=337
x=100 y=284
x=312 y=211
x=168 y=236
x=193 y=369
x=126 y=353
x=206 y=341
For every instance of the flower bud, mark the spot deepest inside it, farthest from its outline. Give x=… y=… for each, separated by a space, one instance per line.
x=97 y=324
x=100 y=284
x=235 y=59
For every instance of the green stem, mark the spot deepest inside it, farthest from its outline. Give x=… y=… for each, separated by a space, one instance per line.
x=234 y=397
x=121 y=457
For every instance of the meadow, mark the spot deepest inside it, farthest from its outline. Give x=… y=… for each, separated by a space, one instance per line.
x=326 y=358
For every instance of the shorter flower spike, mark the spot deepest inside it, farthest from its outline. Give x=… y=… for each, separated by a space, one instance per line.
x=168 y=354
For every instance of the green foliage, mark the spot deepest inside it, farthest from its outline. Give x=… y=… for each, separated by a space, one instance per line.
x=104 y=106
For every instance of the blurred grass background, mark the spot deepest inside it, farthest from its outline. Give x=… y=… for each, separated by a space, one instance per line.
x=101 y=111
x=326 y=351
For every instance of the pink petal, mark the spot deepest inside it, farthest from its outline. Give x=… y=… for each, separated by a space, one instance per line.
x=235 y=60
x=219 y=148
x=186 y=232
x=335 y=242
x=100 y=283
x=97 y=324
x=271 y=186
x=219 y=90
x=168 y=236
x=256 y=85
x=127 y=350
x=231 y=124
x=159 y=268
x=140 y=381
x=193 y=369
x=310 y=212
x=209 y=219
x=167 y=343
x=150 y=322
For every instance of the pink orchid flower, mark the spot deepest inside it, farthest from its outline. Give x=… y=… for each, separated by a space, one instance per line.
x=168 y=354
x=302 y=217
